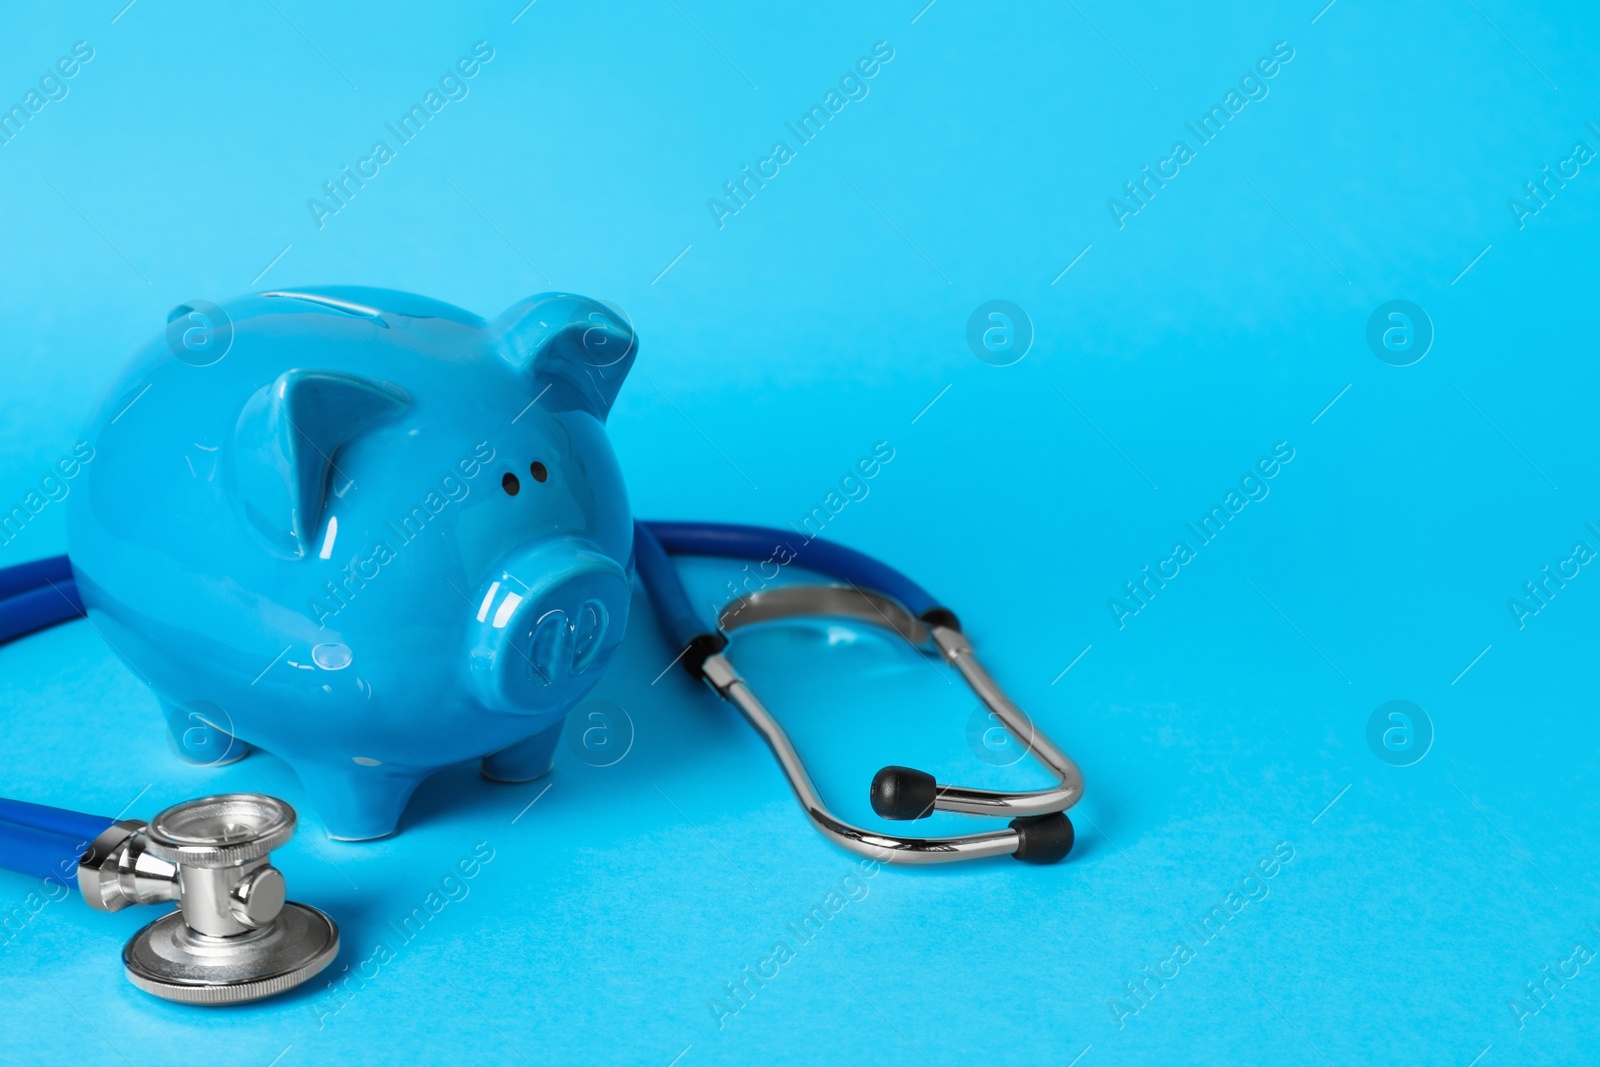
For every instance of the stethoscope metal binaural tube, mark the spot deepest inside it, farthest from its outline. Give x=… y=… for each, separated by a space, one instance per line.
x=722 y=677
x=957 y=651
x=1039 y=832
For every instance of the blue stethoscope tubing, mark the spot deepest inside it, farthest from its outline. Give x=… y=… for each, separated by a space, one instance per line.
x=36 y=595
x=34 y=839
x=45 y=841
x=655 y=542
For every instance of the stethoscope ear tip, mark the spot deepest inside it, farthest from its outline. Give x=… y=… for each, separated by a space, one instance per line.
x=902 y=793
x=1043 y=838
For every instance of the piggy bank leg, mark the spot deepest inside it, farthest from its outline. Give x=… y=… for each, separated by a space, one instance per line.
x=530 y=758
x=359 y=802
x=197 y=737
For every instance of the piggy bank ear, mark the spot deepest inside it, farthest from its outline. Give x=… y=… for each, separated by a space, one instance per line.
x=579 y=348
x=286 y=446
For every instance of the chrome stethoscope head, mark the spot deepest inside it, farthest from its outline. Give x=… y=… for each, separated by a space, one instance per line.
x=234 y=936
x=1039 y=831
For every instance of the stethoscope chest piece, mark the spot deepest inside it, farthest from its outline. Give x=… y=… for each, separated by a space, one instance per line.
x=170 y=960
x=234 y=936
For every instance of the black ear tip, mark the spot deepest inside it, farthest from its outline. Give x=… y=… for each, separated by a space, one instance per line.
x=1043 y=838
x=902 y=793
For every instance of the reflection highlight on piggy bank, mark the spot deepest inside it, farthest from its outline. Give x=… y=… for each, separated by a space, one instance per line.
x=369 y=532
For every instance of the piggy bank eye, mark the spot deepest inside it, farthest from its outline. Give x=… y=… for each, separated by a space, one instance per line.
x=510 y=484
x=538 y=471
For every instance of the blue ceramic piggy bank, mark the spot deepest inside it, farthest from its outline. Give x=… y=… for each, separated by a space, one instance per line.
x=369 y=532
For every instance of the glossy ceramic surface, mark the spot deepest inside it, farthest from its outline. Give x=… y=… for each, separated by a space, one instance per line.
x=370 y=532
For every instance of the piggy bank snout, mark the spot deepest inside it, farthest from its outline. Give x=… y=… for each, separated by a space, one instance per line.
x=546 y=625
x=564 y=644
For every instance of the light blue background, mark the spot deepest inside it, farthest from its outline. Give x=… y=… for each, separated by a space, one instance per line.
x=825 y=317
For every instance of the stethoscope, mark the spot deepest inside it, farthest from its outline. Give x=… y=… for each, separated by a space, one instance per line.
x=235 y=937
x=874 y=593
